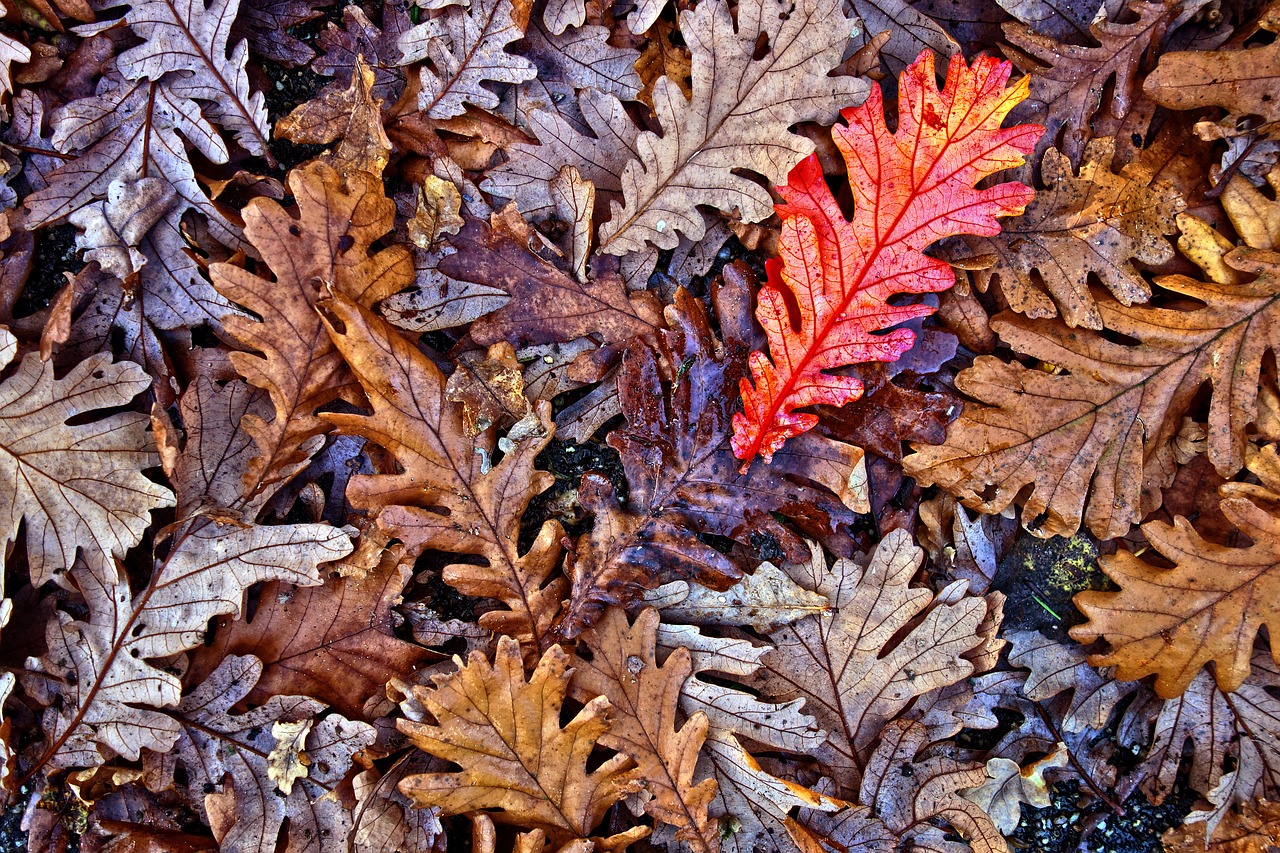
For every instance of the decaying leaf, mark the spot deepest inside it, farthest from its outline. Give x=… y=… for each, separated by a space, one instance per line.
x=1009 y=786
x=1094 y=223
x=517 y=758
x=491 y=391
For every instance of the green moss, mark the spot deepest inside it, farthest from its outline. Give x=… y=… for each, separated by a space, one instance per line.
x=1040 y=577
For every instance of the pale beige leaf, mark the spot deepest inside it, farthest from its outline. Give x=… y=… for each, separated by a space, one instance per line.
x=764 y=600
x=288 y=761
x=79 y=487
x=112 y=229
x=1009 y=786
x=738 y=118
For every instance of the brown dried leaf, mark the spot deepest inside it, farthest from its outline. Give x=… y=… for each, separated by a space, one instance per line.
x=1253 y=828
x=447 y=497
x=78 y=487
x=742 y=125
x=1068 y=81
x=1110 y=418
x=491 y=391
x=334 y=642
x=546 y=304
x=112 y=228
x=1242 y=81
x=324 y=244
x=1097 y=223
x=623 y=668
x=517 y=758
x=352 y=117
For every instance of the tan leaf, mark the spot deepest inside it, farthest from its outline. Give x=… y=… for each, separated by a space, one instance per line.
x=1098 y=223
x=662 y=57
x=1059 y=666
x=623 y=668
x=1097 y=439
x=1008 y=786
x=447 y=497
x=1242 y=81
x=764 y=600
x=79 y=486
x=516 y=757
x=288 y=761
x=439 y=203
x=854 y=666
x=575 y=199
x=111 y=229
x=325 y=243
x=352 y=117
x=723 y=128
x=383 y=818
x=491 y=391
x=465 y=46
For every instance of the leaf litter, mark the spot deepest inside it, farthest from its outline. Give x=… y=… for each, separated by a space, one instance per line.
x=547 y=425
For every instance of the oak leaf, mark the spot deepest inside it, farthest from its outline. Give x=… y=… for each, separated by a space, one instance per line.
x=230 y=754
x=1009 y=787
x=1068 y=80
x=112 y=696
x=466 y=46
x=447 y=497
x=547 y=304
x=1255 y=826
x=841 y=274
x=676 y=394
x=854 y=666
x=1098 y=438
x=517 y=758
x=351 y=117
x=326 y=242
x=1242 y=81
x=623 y=667
x=726 y=127
x=1094 y=223
x=334 y=642
x=78 y=486
x=1206 y=608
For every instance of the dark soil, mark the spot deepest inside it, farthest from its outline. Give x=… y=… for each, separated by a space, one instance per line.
x=1060 y=827
x=55 y=255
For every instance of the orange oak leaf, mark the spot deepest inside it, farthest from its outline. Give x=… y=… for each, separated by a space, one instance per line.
x=910 y=188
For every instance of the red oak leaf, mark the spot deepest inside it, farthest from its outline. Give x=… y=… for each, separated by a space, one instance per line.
x=827 y=296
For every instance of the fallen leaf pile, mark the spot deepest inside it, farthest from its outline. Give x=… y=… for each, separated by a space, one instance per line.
x=720 y=425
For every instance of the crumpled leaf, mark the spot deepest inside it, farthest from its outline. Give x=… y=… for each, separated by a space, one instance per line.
x=352 y=117
x=78 y=487
x=841 y=274
x=465 y=47
x=644 y=694
x=112 y=228
x=447 y=497
x=1097 y=439
x=229 y=754
x=1009 y=786
x=111 y=694
x=517 y=759
x=1256 y=826
x=763 y=600
x=1068 y=80
x=1098 y=223
x=324 y=244
x=491 y=391
x=731 y=126
x=854 y=666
